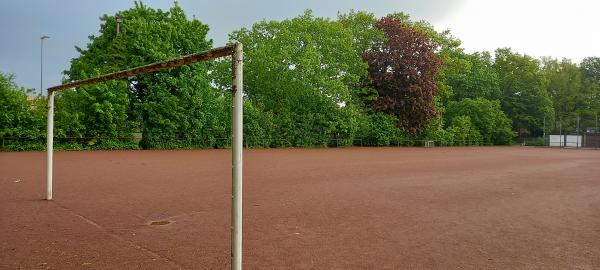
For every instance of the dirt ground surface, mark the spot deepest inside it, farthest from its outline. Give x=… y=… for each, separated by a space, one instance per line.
x=353 y=208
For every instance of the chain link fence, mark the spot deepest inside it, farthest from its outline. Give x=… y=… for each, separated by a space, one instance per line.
x=135 y=142
x=584 y=127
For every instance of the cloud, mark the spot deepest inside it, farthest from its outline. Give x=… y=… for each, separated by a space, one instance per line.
x=70 y=22
x=537 y=27
x=229 y=15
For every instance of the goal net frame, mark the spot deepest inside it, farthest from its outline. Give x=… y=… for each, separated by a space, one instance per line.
x=234 y=50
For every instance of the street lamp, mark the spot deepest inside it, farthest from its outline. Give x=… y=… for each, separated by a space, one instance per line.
x=42 y=63
x=119 y=21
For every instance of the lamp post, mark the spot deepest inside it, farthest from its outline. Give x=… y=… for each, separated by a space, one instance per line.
x=42 y=63
x=119 y=20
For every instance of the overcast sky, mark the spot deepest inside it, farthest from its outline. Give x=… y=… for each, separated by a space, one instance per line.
x=554 y=28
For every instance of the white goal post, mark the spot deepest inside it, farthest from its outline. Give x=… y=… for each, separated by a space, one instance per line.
x=236 y=51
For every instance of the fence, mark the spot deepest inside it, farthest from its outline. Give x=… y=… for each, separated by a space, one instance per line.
x=133 y=142
x=591 y=140
x=587 y=140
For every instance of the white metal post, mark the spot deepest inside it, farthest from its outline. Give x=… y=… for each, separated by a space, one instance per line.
x=50 y=145
x=561 y=144
x=236 y=181
x=577 y=143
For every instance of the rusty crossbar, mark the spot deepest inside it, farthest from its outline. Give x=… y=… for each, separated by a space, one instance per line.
x=181 y=61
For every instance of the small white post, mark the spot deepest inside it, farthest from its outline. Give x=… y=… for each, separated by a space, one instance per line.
x=49 y=145
x=236 y=181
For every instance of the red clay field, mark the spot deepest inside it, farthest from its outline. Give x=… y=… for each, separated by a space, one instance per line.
x=353 y=208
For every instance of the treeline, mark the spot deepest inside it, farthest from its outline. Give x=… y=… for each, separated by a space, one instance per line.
x=309 y=82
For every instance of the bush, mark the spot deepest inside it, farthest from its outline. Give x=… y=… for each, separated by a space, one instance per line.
x=537 y=141
x=462 y=132
x=486 y=116
x=258 y=127
x=20 y=117
x=379 y=129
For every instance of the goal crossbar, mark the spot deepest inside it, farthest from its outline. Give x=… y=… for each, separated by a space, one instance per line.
x=236 y=51
x=181 y=61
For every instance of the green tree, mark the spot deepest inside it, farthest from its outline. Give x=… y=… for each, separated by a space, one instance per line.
x=21 y=118
x=590 y=66
x=364 y=36
x=379 y=129
x=462 y=132
x=92 y=111
x=477 y=78
x=173 y=108
x=302 y=72
x=524 y=98
x=361 y=24
x=486 y=116
x=573 y=93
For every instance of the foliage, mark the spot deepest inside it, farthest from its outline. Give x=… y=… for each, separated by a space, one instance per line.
x=364 y=36
x=301 y=72
x=573 y=93
x=173 y=108
x=463 y=132
x=402 y=70
x=378 y=129
x=477 y=78
x=435 y=132
x=486 y=117
x=309 y=82
x=20 y=117
x=361 y=24
x=93 y=111
x=524 y=98
x=258 y=126
x=537 y=141
x=590 y=67
x=446 y=47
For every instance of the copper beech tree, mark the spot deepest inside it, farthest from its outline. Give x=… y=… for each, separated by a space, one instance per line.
x=402 y=71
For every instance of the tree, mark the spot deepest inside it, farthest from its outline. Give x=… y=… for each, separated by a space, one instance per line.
x=448 y=50
x=173 y=108
x=486 y=116
x=20 y=118
x=364 y=36
x=462 y=132
x=590 y=66
x=402 y=70
x=477 y=78
x=302 y=71
x=573 y=94
x=379 y=129
x=524 y=97
x=96 y=111
x=361 y=24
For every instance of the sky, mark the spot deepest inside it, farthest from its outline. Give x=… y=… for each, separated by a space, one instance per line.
x=554 y=28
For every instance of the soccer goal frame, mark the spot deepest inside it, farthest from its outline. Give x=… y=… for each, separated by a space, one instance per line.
x=234 y=50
